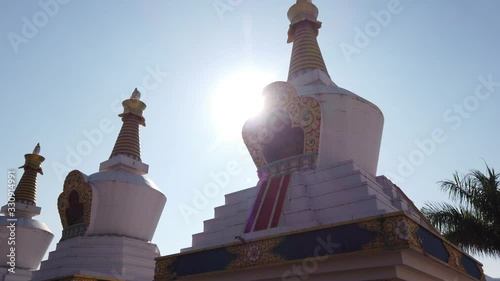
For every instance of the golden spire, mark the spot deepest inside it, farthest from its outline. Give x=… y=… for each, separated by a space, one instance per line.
x=128 y=142
x=304 y=28
x=26 y=189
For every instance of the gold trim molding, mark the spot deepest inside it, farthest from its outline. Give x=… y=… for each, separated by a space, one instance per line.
x=392 y=232
x=164 y=269
x=282 y=98
x=75 y=181
x=455 y=259
x=255 y=254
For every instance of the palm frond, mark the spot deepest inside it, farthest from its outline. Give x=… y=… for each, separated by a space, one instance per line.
x=443 y=216
x=488 y=199
x=460 y=189
x=462 y=227
x=474 y=222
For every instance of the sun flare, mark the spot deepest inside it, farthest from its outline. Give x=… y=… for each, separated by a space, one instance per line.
x=237 y=98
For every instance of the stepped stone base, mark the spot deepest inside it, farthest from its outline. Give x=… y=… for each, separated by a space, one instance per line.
x=339 y=193
x=115 y=258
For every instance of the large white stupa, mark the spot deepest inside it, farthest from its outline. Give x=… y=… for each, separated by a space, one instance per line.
x=109 y=218
x=319 y=211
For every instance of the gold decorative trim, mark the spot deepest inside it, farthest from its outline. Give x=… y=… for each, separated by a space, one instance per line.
x=26 y=189
x=255 y=254
x=483 y=276
x=135 y=107
x=165 y=269
x=455 y=259
x=392 y=232
x=282 y=98
x=75 y=181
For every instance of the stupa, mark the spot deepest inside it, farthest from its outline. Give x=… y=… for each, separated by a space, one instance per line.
x=23 y=240
x=109 y=218
x=319 y=211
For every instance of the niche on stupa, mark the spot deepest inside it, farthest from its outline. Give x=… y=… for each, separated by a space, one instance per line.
x=285 y=136
x=284 y=140
x=74 y=205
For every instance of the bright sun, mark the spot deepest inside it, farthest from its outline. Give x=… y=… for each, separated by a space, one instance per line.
x=237 y=98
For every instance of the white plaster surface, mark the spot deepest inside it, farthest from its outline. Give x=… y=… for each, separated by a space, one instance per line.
x=18 y=275
x=108 y=257
x=122 y=200
x=126 y=208
x=32 y=239
x=334 y=194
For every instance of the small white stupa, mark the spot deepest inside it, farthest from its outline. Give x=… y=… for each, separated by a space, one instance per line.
x=109 y=218
x=23 y=240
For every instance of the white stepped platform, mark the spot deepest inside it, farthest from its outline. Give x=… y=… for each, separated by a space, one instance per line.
x=339 y=193
x=107 y=257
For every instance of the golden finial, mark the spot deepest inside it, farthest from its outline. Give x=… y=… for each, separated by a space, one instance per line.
x=304 y=28
x=136 y=95
x=134 y=106
x=34 y=160
x=26 y=189
x=36 y=150
x=128 y=142
x=301 y=11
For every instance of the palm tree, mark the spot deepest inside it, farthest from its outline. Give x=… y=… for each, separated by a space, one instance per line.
x=473 y=223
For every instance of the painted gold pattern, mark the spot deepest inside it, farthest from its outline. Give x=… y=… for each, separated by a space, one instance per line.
x=483 y=276
x=289 y=165
x=455 y=259
x=282 y=98
x=260 y=253
x=165 y=269
x=392 y=232
x=75 y=181
x=255 y=253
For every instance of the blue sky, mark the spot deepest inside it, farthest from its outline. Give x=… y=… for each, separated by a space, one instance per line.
x=63 y=81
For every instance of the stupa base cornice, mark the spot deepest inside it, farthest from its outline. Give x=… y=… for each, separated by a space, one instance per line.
x=386 y=247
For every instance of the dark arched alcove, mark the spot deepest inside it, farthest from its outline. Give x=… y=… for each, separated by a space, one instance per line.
x=75 y=210
x=284 y=140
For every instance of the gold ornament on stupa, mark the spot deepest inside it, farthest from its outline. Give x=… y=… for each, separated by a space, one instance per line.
x=26 y=189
